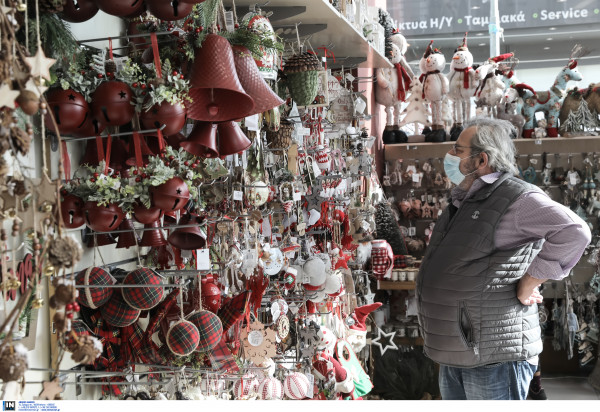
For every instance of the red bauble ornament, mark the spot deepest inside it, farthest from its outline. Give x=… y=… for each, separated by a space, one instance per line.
x=111 y=103
x=211 y=296
x=80 y=12
x=69 y=108
x=171 y=115
x=144 y=215
x=71 y=209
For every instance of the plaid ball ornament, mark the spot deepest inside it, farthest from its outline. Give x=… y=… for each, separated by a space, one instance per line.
x=95 y=297
x=210 y=329
x=141 y=297
x=182 y=338
x=118 y=313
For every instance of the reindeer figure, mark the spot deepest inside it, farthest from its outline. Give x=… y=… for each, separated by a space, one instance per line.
x=511 y=105
x=506 y=70
x=550 y=101
x=491 y=88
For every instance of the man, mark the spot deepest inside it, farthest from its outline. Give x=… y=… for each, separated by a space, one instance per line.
x=497 y=241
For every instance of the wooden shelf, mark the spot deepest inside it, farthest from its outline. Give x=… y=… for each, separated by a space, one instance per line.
x=345 y=40
x=389 y=285
x=426 y=151
x=409 y=341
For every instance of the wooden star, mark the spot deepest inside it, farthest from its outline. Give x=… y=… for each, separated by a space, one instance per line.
x=390 y=345
x=8 y=96
x=33 y=87
x=40 y=64
x=51 y=390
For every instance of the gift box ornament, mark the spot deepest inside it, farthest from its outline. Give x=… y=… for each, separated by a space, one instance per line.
x=183 y=338
x=94 y=297
x=302 y=73
x=143 y=297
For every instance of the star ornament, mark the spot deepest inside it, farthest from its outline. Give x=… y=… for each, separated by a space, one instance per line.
x=40 y=64
x=390 y=345
x=8 y=96
x=34 y=87
x=51 y=390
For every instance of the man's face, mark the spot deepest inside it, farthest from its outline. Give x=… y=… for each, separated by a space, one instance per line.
x=469 y=163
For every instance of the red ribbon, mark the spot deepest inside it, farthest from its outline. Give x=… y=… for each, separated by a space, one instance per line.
x=66 y=161
x=108 y=150
x=161 y=140
x=466 y=78
x=403 y=81
x=156 y=55
x=99 y=148
x=138 y=149
x=423 y=79
x=110 y=50
x=327 y=53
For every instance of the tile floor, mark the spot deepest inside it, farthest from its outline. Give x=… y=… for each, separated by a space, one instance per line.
x=569 y=388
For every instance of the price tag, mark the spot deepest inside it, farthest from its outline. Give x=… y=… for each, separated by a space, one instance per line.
x=311 y=387
x=202 y=259
x=238 y=195
x=412 y=231
x=297 y=196
x=251 y=123
x=416 y=177
x=434 y=199
x=236 y=160
x=538 y=141
x=423 y=198
x=533 y=161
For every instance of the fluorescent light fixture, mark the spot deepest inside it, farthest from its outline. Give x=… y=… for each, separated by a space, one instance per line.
x=482 y=44
x=549 y=38
x=552 y=28
x=547 y=48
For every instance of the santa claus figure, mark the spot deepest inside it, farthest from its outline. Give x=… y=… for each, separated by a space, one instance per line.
x=462 y=86
x=435 y=87
x=392 y=88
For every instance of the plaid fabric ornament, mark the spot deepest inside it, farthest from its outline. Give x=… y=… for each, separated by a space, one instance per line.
x=183 y=338
x=93 y=298
x=118 y=313
x=210 y=329
x=141 y=297
x=232 y=309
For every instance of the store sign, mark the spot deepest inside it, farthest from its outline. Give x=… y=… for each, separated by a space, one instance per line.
x=417 y=17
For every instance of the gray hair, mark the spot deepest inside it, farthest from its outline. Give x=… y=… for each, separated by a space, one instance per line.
x=494 y=137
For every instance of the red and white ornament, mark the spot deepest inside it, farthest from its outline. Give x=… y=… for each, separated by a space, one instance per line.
x=296 y=386
x=245 y=387
x=270 y=389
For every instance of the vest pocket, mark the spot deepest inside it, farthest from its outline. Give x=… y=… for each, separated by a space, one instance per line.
x=465 y=325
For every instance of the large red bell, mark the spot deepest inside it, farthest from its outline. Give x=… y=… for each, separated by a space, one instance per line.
x=202 y=141
x=216 y=91
x=169 y=10
x=122 y=8
x=144 y=215
x=71 y=209
x=145 y=152
x=170 y=115
x=103 y=218
x=152 y=236
x=99 y=239
x=111 y=103
x=127 y=239
x=69 y=108
x=118 y=155
x=90 y=157
x=188 y=238
x=171 y=195
x=90 y=127
x=252 y=81
x=78 y=11
x=231 y=139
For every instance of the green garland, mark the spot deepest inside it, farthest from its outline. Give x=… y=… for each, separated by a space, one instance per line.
x=57 y=40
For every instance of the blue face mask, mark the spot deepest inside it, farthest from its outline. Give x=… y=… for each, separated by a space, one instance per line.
x=452 y=168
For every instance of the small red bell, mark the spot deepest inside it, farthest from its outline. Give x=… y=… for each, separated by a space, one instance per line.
x=172 y=195
x=127 y=239
x=111 y=103
x=202 y=141
x=188 y=238
x=171 y=115
x=144 y=215
x=69 y=108
x=71 y=209
x=231 y=139
x=152 y=237
x=100 y=239
x=78 y=11
x=103 y=218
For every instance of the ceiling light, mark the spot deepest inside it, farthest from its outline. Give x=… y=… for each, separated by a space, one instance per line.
x=482 y=44
x=547 y=48
x=549 y=38
x=552 y=28
x=479 y=34
x=475 y=7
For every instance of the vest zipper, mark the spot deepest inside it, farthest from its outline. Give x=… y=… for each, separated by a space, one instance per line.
x=465 y=322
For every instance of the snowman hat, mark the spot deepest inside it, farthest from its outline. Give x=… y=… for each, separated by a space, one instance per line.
x=501 y=57
x=463 y=46
x=360 y=315
x=428 y=50
x=522 y=86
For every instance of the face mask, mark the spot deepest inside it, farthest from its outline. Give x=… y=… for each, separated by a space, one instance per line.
x=452 y=168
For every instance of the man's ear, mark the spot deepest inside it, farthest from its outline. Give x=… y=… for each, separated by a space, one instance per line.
x=484 y=159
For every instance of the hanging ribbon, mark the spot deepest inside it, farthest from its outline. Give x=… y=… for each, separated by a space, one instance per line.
x=108 y=150
x=99 y=148
x=137 y=143
x=161 y=140
x=156 y=55
x=66 y=161
x=110 y=50
x=327 y=53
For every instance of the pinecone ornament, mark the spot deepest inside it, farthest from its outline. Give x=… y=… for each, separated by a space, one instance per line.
x=51 y=6
x=64 y=252
x=302 y=73
x=85 y=349
x=110 y=66
x=13 y=362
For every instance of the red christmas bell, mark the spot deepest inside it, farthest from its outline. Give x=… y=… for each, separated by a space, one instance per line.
x=127 y=239
x=111 y=103
x=123 y=8
x=145 y=215
x=169 y=10
x=253 y=82
x=90 y=127
x=171 y=195
x=216 y=91
x=146 y=152
x=188 y=238
x=118 y=155
x=99 y=239
x=211 y=295
x=152 y=236
x=202 y=141
x=69 y=108
x=71 y=209
x=171 y=115
x=90 y=157
x=175 y=140
x=103 y=218
x=231 y=139
x=78 y=11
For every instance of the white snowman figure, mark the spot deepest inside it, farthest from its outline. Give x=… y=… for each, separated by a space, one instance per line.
x=392 y=87
x=462 y=86
x=435 y=87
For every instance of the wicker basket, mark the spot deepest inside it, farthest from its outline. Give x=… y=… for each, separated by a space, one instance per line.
x=302 y=72
x=281 y=139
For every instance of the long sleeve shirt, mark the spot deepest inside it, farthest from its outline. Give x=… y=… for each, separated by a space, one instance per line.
x=535 y=216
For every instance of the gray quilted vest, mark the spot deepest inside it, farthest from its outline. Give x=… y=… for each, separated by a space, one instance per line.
x=466 y=288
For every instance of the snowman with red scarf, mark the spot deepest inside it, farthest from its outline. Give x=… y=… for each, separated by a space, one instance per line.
x=435 y=88
x=391 y=88
x=462 y=86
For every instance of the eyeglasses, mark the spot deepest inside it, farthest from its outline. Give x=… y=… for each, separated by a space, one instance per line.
x=456 y=146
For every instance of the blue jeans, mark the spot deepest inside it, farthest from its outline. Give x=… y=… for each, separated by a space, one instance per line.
x=506 y=380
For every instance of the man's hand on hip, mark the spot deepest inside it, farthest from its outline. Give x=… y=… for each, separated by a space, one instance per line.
x=527 y=290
